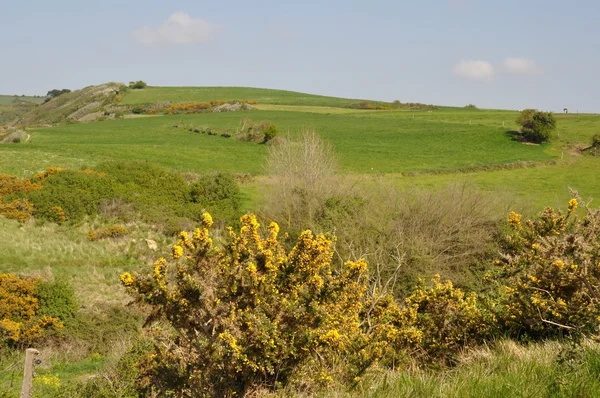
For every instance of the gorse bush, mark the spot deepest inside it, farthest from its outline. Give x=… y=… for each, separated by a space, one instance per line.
x=246 y=314
x=550 y=274
x=251 y=314
x=114 y=231
x=448 y=319
x=21 y=320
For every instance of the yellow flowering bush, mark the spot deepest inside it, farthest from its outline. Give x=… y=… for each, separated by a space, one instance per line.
x=114 y=231
x=20 y=321
x=447 y=318
x=248 y=313
x=550 y=274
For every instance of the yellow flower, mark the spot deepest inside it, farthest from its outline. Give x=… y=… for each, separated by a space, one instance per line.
x=573 y=203
x=127 y=279
x=177 y=251
x=207 y=220
x=514 y=218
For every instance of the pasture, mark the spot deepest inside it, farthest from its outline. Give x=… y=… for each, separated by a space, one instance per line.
x=412 y=148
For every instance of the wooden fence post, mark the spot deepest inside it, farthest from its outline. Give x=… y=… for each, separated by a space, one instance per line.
x=30 y=355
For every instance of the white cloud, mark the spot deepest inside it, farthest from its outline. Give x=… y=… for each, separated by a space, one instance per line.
x=474 y=70
x=522 y=66
x=178 y=29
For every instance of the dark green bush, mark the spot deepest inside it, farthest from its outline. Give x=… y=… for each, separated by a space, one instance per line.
x=56 y=299
x=77 y=193
x=218 y=193
x=138 y=85
x=536 y=126
x=271 y=132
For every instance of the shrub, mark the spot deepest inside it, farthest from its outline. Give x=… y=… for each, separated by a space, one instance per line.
x=115 y=231
x=70 y=195
x=247 y=314
x=137 y=85
x=550 y=274
x=56 y=92
x=219 y=193
x=271 y=132
x=56 y=300
x=188 y=107
x=21 y=322
x=448 y=319
x=536 y=126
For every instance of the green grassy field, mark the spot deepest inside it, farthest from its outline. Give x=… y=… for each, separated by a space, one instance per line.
x=205 y=94
x=9 y=99
x=412 y=148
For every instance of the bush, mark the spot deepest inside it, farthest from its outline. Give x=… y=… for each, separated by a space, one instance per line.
x=71 y=195
x=56 y=299
x=21 y=321
x=550 y=274
x=271 y=132
x=536 y=126
x=115 y=231
x=137 y=85
x=448 y=320
x=248 y=314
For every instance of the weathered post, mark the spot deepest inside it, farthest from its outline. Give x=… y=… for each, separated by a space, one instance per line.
x=30 y=355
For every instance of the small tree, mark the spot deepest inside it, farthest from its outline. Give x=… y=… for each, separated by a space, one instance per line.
x=137 y=85
x=271 y=132
x=536 y=126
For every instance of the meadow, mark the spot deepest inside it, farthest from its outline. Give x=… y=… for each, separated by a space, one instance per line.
x=10 y=99
x=424 y=151
x=410 y=148
x=205 y=94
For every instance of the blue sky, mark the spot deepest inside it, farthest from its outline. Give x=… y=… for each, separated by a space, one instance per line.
x=495 y=54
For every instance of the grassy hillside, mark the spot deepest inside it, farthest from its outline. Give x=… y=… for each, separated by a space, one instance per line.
x=372 y=142
x=10 y=99
x=205 y=94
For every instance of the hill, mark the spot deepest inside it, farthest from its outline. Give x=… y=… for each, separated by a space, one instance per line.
x=87 y=104
x=206 y=94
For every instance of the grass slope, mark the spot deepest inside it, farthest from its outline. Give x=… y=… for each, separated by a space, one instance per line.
x=364 y=143
x=10 y=99
x=205 y=94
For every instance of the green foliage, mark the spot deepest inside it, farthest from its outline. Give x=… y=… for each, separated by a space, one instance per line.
x=56 y=92
x=161 y=196
x=218 y=192
x=137 y=84
x=536 y=126
x=550 y=274
x=56 y=299
x=271 y=132
x=77 y=193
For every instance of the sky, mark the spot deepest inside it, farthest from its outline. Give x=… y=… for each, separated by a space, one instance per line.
x=504 y=54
